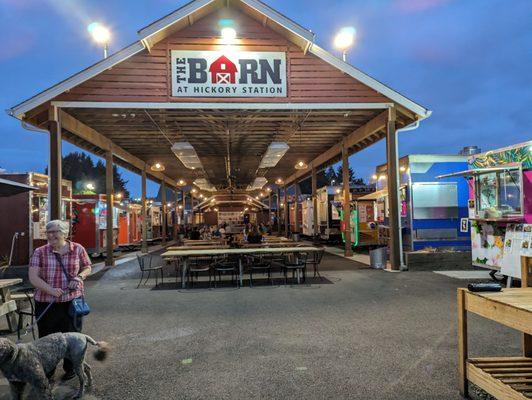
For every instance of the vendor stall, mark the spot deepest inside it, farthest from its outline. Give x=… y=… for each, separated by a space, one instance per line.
x=500 y=207
x=431 y=209
x=155 y=222
x=129 y=223
x=23 y=216
x=328 y=216
x=90 y=221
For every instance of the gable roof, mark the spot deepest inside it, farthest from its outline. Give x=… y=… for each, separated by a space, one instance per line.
x=305 y=38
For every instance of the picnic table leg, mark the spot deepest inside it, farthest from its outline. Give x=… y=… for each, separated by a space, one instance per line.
x=184 y=273
x=462 y=343
x=11 y=320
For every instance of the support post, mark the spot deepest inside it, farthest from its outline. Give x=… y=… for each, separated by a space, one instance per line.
x=526 y=281
x=286 y=211
x=176 y=213
x=109 y=196
x=164 y=209
x=144 y=245
x=348 y=251
x=297 y=227
x=269 y=208
x=393 y=191
x=54 y=165
x=462 y=343
x=184 y=200
x=315 y=203
x=279 y=211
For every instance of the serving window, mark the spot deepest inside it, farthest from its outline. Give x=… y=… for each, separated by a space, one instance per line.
x=499 y=194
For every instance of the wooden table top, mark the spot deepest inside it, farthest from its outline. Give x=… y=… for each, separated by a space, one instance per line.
x=198 y=247
x=511 y=307
x=218 y=251
x=9 y=282
x=520 y=298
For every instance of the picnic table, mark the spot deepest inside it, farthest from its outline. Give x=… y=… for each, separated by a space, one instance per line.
x=8 y=306
x=198 y=247
x=185 y=254
x=502 y=377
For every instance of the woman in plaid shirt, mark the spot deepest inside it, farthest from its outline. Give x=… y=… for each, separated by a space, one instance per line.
x=52 y=286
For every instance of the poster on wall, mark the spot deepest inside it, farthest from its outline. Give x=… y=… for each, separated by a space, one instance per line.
x=228 y=73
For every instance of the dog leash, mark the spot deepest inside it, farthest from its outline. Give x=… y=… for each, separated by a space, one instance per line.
x=30 y=328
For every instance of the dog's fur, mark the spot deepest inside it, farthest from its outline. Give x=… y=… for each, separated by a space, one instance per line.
x=30 y=363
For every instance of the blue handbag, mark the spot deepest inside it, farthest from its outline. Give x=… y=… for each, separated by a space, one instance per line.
x=78 y=307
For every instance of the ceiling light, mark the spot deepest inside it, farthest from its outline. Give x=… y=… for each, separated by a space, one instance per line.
x=279 y=181
x=158 y=167
x=258 y=183
x=301 y=165
x=194 y=190
x=187 y=155
x=275 y=151
x=181 y=182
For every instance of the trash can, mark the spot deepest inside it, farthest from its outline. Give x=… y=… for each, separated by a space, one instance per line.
x=378 y=257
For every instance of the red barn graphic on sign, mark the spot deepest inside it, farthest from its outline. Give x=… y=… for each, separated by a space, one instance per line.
x=223 y=70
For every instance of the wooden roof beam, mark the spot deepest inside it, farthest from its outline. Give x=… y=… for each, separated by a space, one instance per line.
x=95 y=138
x=354 y=138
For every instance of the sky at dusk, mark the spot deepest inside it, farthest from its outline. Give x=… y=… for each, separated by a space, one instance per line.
x=470 y=62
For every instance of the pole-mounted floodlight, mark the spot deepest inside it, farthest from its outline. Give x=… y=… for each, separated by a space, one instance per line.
x=344 y=40
x=101 y=35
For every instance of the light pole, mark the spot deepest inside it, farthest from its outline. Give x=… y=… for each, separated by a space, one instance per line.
x=100 y=35
x=344 y=40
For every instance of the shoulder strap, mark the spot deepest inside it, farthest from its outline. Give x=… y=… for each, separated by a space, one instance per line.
x=60 y=261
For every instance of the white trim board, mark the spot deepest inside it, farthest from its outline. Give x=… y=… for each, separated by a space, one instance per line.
x=225 y=106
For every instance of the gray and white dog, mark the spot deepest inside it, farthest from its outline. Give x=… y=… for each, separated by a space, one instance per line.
x=30 y=363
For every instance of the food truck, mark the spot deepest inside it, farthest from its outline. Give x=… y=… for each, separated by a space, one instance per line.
x=155 y=222
x=89 y=222
x=432 y=209
x=129 y=224
x=328 y=216
x=307 y=217
x=23 y=216
x=500 y=207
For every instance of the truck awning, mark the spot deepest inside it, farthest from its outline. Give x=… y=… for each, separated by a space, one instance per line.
x=10 y=188
x=478 y=171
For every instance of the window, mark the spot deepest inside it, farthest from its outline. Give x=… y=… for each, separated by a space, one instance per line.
x=498 y=194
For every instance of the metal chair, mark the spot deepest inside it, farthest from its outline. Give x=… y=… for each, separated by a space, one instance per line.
x=21 y=297
x=148 y=268
x=227 y=264
x=296 y=264
x=198 y=265
x=314 y=260
x=262 y=264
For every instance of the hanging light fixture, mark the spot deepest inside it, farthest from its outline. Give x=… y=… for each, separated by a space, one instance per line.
x=301 y=165
x=158 y=167
x=279 y=181
x=181 y=182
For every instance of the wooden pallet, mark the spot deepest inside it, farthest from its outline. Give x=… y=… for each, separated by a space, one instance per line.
x=502 y=377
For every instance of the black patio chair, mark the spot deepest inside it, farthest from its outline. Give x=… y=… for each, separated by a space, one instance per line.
x=226 y=265
x=297 y=263
x=146 y=267
x=261 y=263
x=198 y=265
x=22 y=296
x=314 y=260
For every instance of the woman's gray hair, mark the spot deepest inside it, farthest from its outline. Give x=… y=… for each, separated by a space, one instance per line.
x=59 y=225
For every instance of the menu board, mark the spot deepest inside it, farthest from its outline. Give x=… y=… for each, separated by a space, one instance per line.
x=517 y=243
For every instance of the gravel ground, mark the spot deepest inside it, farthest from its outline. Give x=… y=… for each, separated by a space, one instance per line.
x=359 y=334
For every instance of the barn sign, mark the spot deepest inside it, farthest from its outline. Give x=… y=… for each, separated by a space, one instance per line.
x=228 y=74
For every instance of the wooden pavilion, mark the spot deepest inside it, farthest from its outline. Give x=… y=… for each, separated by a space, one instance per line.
x=140 y=105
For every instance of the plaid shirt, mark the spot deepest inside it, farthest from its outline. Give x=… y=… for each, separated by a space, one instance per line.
x=75 y=261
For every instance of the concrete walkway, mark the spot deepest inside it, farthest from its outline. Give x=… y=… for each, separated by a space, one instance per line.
x=358 y=334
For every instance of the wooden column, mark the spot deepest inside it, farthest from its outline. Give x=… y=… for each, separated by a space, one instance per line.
x=176 y=213
x=286 y=211
x=462 y=343
x=54 y=165
x=164 y=209
x=315 y=202
x=144 y=246
x=393 y=191
x=184 y=200
x=346 y=201
x=297 y=226
x=269 y=208
x=109 y=196
x=279 y=211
